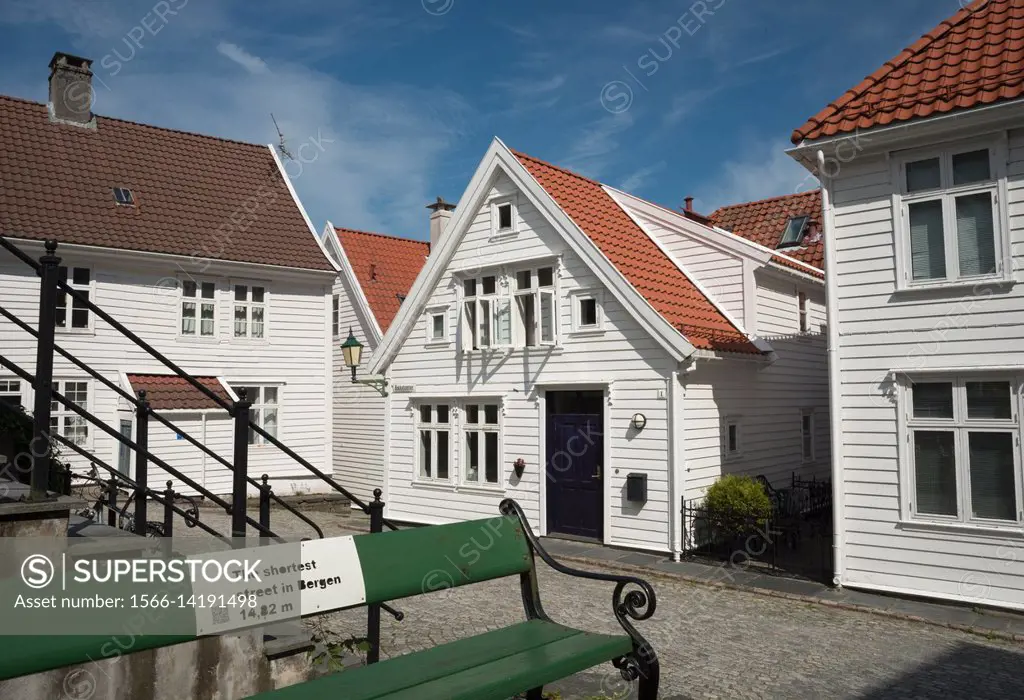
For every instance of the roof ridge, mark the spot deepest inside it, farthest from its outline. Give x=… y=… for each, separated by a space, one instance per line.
x=520 y=154
x=389 y=236
x=45 y=105
x=892 y=64
x=766 y=200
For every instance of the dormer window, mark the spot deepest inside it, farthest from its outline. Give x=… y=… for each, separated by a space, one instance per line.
x=796 y=229
x=124 y=197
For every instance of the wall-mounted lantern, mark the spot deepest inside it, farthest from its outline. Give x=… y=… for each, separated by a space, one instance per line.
x=352 y=350
x=639 y=421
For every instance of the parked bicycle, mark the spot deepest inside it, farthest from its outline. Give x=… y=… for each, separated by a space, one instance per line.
x=125 y=519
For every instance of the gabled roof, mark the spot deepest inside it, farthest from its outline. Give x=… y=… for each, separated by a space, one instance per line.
x=639 y=259
x=196 y=196
x=764 y=221
x=385 y=268
x=974 y=58
x=168 y=392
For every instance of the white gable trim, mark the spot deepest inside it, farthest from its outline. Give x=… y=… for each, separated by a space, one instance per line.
x=713 y=236
x=761 y=345
x=499 y=157
x=302 y=209
x=360 y=303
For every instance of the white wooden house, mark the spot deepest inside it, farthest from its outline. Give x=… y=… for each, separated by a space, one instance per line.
x=563 y=336
x=923 y=170
x=197 y=244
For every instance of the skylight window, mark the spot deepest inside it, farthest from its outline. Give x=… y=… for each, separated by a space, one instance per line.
x=796 y=228
x=124 y=196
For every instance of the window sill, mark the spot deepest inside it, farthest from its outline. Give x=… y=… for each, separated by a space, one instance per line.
x=503 y=235
x=209 y=339
x=586 y=332
x=452 y=487
x=74 y=331
x=958 y=287
x=434 y=344
x=432 y=485
x=495 y=490
x=1008 y=531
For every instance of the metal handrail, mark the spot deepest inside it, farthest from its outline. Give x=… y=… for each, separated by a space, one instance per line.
x=155 y=414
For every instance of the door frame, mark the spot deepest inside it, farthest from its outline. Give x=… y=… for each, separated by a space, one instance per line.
x=542 y=487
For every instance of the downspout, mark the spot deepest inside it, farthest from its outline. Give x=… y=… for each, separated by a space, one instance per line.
x=834 y=383
x=676 y=461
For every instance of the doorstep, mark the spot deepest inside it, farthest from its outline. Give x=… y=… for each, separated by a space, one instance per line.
x=987 y=622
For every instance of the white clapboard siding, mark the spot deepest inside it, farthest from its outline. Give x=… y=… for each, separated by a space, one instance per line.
x=358 y=409
x=140 y=293
x=882 y=330
x=624 y=356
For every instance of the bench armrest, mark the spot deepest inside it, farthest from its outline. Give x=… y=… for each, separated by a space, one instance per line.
x=635 y=605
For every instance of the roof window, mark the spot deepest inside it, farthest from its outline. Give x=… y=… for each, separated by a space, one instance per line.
x=124 y=196
x=796 y=229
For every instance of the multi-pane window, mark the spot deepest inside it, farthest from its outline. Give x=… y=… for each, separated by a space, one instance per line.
x=433 y=425
x=335 y=304
x=805 y=324
x=951 y=216
x=263 y=411
x=481 y=459
x=250 y=310
x=964 y=448
x=807 y=436
x=72 y=313
x=535 y=307
x=486 y=315
x=10 y=392
x=198 y=308
x=63 y=420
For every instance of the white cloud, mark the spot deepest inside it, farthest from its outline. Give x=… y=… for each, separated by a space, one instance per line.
x=761 y=171
x=589 y=154
x=253 y=64
x=684 y=104
x=639 y=178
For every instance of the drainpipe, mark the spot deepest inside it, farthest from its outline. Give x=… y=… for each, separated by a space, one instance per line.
x=834 y=383
x=676 y=461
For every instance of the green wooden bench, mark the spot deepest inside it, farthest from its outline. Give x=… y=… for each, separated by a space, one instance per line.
x=498 y=664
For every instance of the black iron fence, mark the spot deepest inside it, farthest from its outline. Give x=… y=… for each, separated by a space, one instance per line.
x=45 y=473
x=795 y=540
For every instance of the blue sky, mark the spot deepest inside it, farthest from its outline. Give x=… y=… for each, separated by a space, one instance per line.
x=398 y=99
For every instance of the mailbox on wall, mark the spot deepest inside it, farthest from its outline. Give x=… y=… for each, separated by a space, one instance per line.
x=636 y=488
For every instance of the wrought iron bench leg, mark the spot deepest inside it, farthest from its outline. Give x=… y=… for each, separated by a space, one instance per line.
x=535 y=693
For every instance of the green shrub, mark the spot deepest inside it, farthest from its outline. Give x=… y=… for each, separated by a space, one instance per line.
x=737 y=502
x=16 y=430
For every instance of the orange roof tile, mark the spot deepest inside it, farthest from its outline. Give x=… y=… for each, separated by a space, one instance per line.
x=639 y=259
x=385 y=267
x=974 y=58
x=169 y=391
x=764 y=221
x=198 y=196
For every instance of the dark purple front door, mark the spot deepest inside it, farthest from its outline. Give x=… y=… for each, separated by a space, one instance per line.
x=575 y=447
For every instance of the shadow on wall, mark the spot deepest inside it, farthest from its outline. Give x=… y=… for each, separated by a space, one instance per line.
x=968 y=670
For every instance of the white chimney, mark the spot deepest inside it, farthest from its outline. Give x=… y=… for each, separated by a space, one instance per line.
x=440 y=215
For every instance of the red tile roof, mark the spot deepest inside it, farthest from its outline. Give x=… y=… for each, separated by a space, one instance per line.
x=764 y=221
x=170 y=392
x=195 y=195
x=974 y=58
x=639 y=259
x=385 y=266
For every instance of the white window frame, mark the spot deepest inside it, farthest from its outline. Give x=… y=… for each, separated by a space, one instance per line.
x=19 y=391
x=182 y=300
x=803 y=313
x=808 y=457
x=727 y=422
x=428 y=326
x=479 y=300
x=576 y=298
x=434 y=426
x=249 y=305
x=335 y=316
x=89 y=288
x=960 y=425
x=481 y=427
x=947 y=194
x=495 y=204
x=519 y=335
x=260 y=406
x=59 y=411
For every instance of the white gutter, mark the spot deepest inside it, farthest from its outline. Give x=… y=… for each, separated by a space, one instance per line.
x=835 y=385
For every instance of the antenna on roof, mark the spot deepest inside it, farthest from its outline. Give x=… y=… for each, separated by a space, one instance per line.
x=280 y=145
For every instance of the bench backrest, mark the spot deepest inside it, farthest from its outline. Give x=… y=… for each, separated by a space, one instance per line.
x=432 y=558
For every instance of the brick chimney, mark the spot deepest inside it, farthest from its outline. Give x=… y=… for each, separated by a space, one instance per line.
x=689 y=203
x=71 y=89
x=440 y=215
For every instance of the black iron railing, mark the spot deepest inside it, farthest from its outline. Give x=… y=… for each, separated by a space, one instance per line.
x=42 y=466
